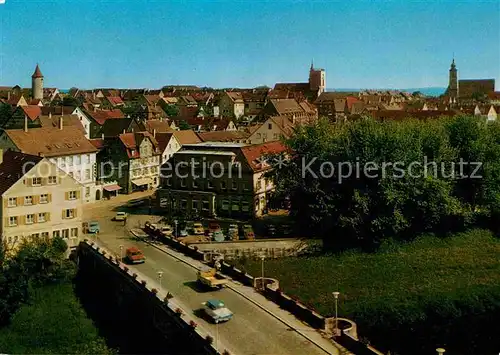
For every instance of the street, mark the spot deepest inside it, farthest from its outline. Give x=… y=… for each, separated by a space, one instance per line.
x=251 y=331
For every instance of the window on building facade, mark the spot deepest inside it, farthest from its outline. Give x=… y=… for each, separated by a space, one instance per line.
x=87 y=174
x=69 y=161
x=41 y=217
x=223 y=185
x=44 y=198
x=234 y=185
x=206 y=206
x=69 y=213
x=195 y=184
x=56 y=234
x=183 y=205
x=194 y=205
x=52 y=180
x=88 y=158
x=225 y=204
x=74 y=232
x=269 y=126
x=28 y=200
x=12 y=202
x=209 y=184
x=65 y=233
x=37 y=181
x=183 y=182
x=77 y=160
x=72 y=195
x=35 y=235
x=13 y=221
x=45 y=234
x=71 y=174
x=245 y=206
x=30 y=218
x=87 y=191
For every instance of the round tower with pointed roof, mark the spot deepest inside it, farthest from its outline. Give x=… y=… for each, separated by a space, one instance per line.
x=37 y=84
x=453 y=81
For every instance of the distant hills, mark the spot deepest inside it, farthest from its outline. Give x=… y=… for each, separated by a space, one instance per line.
x=429 y=91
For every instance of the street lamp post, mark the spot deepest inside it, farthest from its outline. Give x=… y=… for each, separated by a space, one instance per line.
x=440 y=351
x=262 y=282
x=121 y=253
x=160 y=274
x=336 y=295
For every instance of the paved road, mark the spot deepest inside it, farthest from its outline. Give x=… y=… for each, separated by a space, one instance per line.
x=251 y=331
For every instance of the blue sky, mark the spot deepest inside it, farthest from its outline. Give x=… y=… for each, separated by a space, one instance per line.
x=148 y=44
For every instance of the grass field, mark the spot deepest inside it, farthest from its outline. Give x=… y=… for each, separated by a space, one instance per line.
x=400 y=282
x=54 y=323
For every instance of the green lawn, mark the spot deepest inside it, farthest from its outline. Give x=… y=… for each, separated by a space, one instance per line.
x=400 y=283
x=54 y=323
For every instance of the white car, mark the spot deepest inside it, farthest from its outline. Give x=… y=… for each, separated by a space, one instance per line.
x=217 y=311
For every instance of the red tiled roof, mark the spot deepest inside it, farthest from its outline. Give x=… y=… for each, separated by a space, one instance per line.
x=37 y=73
x=101 y=116
x=98 y=143
x=115 y=100
x=163 y=138
x=131 y=142
x=13 y=168
x=350 y=100
x=255 y=152
x=32 y=111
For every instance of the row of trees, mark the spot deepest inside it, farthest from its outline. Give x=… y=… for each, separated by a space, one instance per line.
x=359 y=183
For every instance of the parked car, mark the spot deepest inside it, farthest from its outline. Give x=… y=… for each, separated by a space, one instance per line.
x=232 y=232
x=217 y=311
x=198 y=228
x=93 y=227
x=213 y=227
x=134 y=255
x=165 y=231
x=182 y=233
x=248 y=232
x=120 y=216
x=218 y=236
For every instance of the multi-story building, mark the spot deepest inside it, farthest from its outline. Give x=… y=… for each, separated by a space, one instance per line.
x=133 y=160
x=218 y=179
x=66 y=147
x=231 y=104
x=38 y=200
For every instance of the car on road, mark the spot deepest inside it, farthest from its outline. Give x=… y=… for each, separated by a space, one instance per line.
x=232 y=232
x=198 y=228
x=93 y=227
x=217 y=311
x=120 y=216
x=134 y=255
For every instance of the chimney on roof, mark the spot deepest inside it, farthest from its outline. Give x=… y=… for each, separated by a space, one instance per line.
x=25 y=123
x=50 y=114
x=61 y=122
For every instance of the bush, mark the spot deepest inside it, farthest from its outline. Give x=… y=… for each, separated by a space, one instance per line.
x=193 y=324
x=209 y=339
x=178 y=311
x=143 y=282
x=154 y=290
x=134 y=275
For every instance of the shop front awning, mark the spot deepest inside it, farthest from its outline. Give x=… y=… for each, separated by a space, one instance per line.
x=141 y=182
x=111 y=188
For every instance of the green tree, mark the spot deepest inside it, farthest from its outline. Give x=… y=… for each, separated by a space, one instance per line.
x=171 y=110
x=183 y=125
